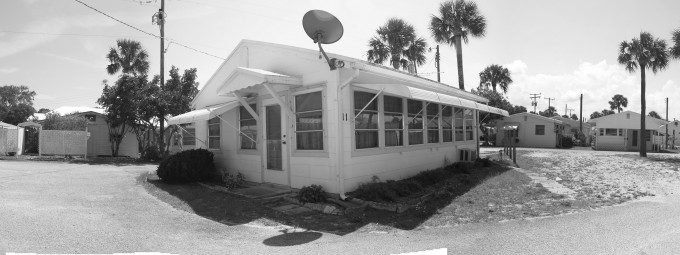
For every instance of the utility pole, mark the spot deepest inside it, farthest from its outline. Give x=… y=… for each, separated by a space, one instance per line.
x=159 y=18
x=666 y=136
x=533 y=100
x=436 y=63
x=580 y=119
x=549 y=99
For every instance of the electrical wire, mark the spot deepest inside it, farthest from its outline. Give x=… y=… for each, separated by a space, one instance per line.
x=69 y=34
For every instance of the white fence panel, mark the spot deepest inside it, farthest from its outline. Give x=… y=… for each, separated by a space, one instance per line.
x=63 y=142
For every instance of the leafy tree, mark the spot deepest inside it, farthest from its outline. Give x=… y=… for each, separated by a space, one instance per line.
x=565 y=116
x=645 y=52
x=397 y=42
x=43 y=110
x=16 y=104
x=128 y=57
x=69 y=122
x=574 y=117
x=456 y=21
x=675 y=49
x=119 y=101
x=551 y=111
x=517 y=109
x=618 y=102
x=595 y=115
x=176 y=97
x=493 y=76
x=606 y=112
x=655 y=115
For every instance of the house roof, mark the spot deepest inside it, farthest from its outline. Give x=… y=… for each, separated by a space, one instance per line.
x=536 y=116
x=569 y=121
x=293 y=54
x=6 y=125
x=66 y=110
x=623 y=115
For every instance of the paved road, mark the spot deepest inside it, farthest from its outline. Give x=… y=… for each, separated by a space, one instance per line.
x=79 y=208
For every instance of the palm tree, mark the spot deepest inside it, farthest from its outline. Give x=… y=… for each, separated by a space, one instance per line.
x=654 y=114
x=455 y=22
x=645 y=52
x=675 y=50
x=495 y=75
x=618 y=102
x=397 y=41
x=128 y=57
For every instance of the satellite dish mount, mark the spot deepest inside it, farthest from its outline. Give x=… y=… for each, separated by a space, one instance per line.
x=324 y=28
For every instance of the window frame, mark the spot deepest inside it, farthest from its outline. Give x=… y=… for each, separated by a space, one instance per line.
x=383 y=129
x=257 y=127
x=536 y=129
x=219 y=133
x=324 y=122
x=185 y=138
x=438 y=116
x=379 y=102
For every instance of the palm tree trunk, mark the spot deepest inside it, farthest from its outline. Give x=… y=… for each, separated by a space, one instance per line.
x=643 y=131
x=459 y=59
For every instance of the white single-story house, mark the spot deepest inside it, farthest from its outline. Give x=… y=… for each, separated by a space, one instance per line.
x=98 y=143
x=279 y=114
x=673 y=132
x=620 y=132
x=530 y=130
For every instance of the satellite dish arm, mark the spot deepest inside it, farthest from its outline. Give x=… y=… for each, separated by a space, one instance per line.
x=333 y=63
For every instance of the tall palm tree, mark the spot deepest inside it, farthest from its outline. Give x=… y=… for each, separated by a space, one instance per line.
x=398 y=42
x=618 y=102
x=493 y=76
x=675 y=49
x=128 y=57
x=645 y=52
x=456 y=21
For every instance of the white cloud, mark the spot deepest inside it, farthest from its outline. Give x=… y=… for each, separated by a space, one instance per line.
x=8 y=70
x=44 y=97
x=70 y=60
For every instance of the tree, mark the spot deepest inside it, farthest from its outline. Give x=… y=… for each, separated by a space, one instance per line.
x=675 y=49
x=606 y=112
x=128 y=57
x=618 y=102
x=574 y=117
x=595 y=115
x=551 y=111
x=456 y=21
x=645 y=52
x=69 y=122
x=493 y=76
x=565 y=116
x=16 y=104
x=397 y=42
x=43 y=110
x=176 y=97
x=120 y=103
x=517 y=109
x=654 y=114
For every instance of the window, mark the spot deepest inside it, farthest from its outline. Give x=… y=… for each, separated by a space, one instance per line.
x=601 y=131
x=394 y=121
x=447 y=123
x=415 y=121
x=214 y=133
x=248 y=127
x=91 y=117
x=188 y=134
x=620 y=132
x=540 y=130
x=611 y=131
x=469 y=125
x=366 y=123
x=309 y=121
x=458 y=113
x=648 y=135
x=433 y=123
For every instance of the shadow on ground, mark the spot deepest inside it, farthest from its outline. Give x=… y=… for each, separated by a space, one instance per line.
x=232 y=210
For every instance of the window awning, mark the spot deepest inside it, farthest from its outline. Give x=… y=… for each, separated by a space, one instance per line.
x=202 y=114
x=244 y=78
x=426 y=95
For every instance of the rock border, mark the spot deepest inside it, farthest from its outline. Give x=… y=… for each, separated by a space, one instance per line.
x=324 y=208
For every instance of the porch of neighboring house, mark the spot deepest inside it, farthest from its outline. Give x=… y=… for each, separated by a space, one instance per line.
x=620 y=139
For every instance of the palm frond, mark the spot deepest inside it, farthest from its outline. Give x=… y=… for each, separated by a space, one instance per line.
x=675 y=49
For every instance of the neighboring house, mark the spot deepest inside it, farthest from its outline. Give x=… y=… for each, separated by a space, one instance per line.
x=571 y=127
x=98 y=143
x=11 y=138
x=530 y=130
x=673 y=133
x=621 y=131
x=335 y=128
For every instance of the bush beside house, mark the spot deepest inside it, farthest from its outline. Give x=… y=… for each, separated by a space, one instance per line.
x=187 y=166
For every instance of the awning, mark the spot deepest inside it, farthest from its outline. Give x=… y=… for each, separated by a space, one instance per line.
x=244 y=78
x=202 y=114
x=510 y=127
x=426 y=95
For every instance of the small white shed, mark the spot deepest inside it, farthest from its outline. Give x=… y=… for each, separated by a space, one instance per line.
x=278 y=115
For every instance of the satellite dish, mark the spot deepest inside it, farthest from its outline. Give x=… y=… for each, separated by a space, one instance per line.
x=324 y=28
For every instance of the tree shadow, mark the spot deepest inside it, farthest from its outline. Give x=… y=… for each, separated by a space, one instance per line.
x=233 y=210
x=292 y=238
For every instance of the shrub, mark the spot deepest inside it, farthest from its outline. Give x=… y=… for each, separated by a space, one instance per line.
x=187 y=166
x=483 y=162
x=460 y=167
x=312 y=194
x=355 y=215
x=151 y=153
x=567 y=142
x=375 y=192
x=233 y=181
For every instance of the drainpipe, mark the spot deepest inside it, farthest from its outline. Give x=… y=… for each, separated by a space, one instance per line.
x=340 y=162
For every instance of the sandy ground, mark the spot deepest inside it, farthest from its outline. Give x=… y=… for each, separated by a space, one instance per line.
x=606 y=175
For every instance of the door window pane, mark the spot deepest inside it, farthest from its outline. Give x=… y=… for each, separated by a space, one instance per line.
x=248 y=127
x=309 y=121
x=214 y=133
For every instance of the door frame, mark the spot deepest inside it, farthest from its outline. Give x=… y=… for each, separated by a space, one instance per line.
x=285 y=147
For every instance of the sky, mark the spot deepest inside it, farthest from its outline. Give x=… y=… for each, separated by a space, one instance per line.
x=560 y=49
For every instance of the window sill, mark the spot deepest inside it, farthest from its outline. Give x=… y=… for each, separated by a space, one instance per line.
x=407 y=148
x=247 y=152
x=310 y=154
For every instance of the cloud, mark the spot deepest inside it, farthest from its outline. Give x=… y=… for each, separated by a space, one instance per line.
x=44 y=97
x=70 y=60
x=8 y=70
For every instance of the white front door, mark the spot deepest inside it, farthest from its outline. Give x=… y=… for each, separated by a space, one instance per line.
x=275 y=153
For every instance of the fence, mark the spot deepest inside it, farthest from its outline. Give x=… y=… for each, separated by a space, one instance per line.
x=10 y=140
x=63 y=142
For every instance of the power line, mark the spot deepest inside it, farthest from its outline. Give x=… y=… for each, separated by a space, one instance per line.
x=150 y=34
x=68 y=34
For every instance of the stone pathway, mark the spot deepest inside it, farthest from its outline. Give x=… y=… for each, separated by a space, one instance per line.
x=551 y=185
